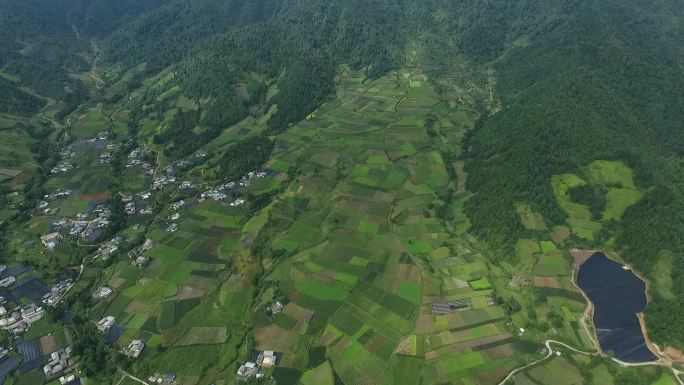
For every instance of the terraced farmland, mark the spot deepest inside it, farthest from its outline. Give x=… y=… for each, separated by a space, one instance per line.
x=370 y=254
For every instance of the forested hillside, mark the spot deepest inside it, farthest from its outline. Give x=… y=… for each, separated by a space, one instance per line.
x=604 y=82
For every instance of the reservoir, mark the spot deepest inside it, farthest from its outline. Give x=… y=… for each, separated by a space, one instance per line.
x=618 y=295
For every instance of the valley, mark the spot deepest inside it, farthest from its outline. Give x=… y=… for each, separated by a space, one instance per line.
x=227 y=192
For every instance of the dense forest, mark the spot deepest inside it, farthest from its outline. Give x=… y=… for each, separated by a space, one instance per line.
x=600 y=82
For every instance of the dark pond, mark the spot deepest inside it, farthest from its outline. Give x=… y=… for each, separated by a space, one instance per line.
x=617 y=294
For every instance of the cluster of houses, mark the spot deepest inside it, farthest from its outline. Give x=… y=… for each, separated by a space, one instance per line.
x=187 y=185
x=62 y=168
x=107 y=249
x=106 y=157
x=100 y=142
x=175 y=215
x=212 y=194
x=170 y=171
x=67 y=153
x=96 y=227
x=56 y=293
x=195 y=159
x=60 y=361
x=49 y=198
x=276 y=307
x=178 y=205
x=253 y=369
x=137 y=204
x=221 y=193
x=89 y=230
x=136 y=158
x=162 y=181
x=56 y=232
x=169 y=227
x=21 y=318
x=136 y=255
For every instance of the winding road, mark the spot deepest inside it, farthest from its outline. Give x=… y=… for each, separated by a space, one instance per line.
x=550 y=353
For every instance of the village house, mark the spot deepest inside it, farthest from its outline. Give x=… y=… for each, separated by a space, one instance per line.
x=178 y=205
x=141 y=261
x=277 y=307
x=78 y=227
x=130 y=208
x=148 y=245
x=103 y=292
x=7 y=281
x=237 y=202
x=56 y=292
x=3 y=352
x=106 y=323
x=59 y=361
x=267 y=359
x=247 y=371
x=68 y=380
x=108 y=248
x=22 y=318
x=51 y=240
x=105 y=158
x=134 y=348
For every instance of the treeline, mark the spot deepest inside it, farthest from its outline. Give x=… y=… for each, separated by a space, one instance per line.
x=14 y=100
x=571 y=97
x=245 y=156
x=594 y=81
x=189 y=130
x=41 y=76
x=591 y=195
x=296 y=47
x=39 y=48
x=653 y=229
x=100 y=17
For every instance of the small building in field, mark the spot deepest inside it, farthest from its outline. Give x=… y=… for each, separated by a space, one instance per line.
x=51 y=240
x=134 y=348
x=106 y=323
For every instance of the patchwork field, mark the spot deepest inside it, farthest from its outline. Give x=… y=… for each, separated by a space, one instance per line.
x=371 y=260
x=181 y=303
x=621 y=193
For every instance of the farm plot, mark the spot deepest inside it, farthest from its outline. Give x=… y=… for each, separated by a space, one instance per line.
x=367 y=260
